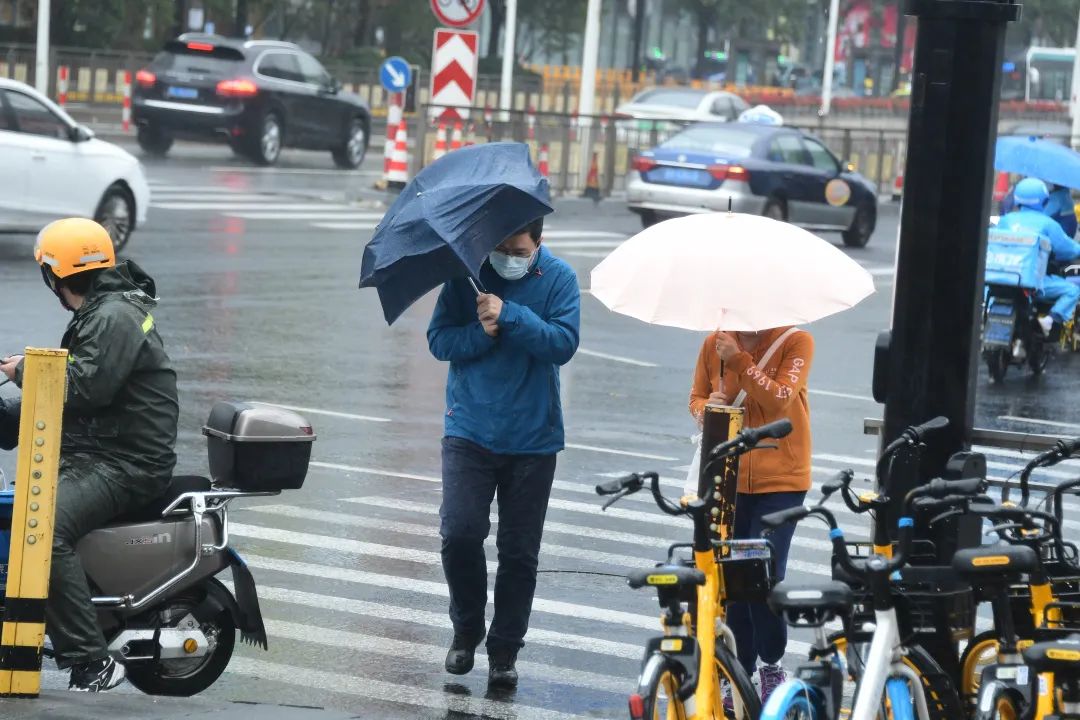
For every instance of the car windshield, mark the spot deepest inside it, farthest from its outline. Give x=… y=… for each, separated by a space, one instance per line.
x=675 y=97
x=221 y=61
x=715 y=140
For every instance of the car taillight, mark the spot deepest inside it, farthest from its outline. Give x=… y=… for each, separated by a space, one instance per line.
x=200 y=46
x=643 y=164
x=237 y=88
x=729 y=172
x=145 y=78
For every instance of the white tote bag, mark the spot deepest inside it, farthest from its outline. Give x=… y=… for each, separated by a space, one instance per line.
x=694 y=473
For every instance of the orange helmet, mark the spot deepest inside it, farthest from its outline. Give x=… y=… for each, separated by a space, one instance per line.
x=72 y=246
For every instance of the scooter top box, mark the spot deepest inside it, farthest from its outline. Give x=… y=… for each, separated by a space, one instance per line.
x=255 y=447
x=1016 y=259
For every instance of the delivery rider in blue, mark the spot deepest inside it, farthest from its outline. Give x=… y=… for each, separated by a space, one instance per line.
x=1031 y=196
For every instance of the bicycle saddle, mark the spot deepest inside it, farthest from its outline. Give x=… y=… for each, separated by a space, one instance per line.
x=810 y=604
x=997 y=561
x=1057 y=656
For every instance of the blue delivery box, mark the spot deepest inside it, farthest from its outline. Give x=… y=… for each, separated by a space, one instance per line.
x=1016 y=259
x=7 y=504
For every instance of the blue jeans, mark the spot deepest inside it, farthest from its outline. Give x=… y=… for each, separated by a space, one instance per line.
x=472 y=478
x=1064 y=294
x=758 y=632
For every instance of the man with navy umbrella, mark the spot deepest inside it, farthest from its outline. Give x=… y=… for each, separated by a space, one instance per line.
x=505 y=339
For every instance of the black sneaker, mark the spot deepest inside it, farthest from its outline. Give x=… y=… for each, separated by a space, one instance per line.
x=462 y=654
x=501 y=670
x=96 y=676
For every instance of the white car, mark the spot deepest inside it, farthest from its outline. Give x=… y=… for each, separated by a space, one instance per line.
x=51 y=167
x=682 y=104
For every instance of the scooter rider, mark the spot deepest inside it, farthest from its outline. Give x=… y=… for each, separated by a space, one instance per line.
x=119 y=427
x=1031 y=196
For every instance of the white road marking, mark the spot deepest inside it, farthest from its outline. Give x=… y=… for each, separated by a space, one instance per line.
x=847 y=396
x=294 y=171
x=224 y=206
x=582 y=254
x=345 y=215
x=991 y=464
x=366 y=687
x=584 y=235
x=431 y=530
x=626 y=453
x=616 y=358
x=328 y=413
x=1037 y=421
x=345 y=225
x=424 y=654
x=156 y=188
x=159 y=197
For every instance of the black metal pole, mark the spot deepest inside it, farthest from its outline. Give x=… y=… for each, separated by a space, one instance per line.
x=930 y=365
x=241 y=18
x=179 y=17
x=639 y=30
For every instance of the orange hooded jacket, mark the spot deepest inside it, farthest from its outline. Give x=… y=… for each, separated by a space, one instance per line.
x=775 y=391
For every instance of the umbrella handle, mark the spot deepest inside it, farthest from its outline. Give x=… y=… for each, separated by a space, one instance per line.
x=476 y=288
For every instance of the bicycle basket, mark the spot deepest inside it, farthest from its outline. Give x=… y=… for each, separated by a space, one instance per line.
x=747 y=567
x=928 y=599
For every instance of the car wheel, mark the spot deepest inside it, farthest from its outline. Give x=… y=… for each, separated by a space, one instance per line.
x=116 y=213
x=266 y=143
x=648 y=218
x=775 y=209
x=153 y=140
x=350 y=155
x=862 y=226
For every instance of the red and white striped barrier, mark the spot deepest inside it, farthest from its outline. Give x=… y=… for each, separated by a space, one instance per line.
x=125 y=117
x=393 y=120
x=440 y=141
x=397 y=173
x=62 y=85
x=455 y=141
x=542 y=161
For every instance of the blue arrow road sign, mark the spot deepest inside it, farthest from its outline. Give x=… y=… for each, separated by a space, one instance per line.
x=395 y=74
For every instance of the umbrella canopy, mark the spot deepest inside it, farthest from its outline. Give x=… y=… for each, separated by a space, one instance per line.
x=728 y=271
x=447 y=220
x=1038 y=158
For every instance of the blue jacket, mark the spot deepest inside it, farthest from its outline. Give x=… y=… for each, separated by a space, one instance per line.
x=1061 y=208
x=503 y=393
x=1063 y=248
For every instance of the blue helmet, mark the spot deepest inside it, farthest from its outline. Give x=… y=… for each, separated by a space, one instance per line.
x=1032 y=193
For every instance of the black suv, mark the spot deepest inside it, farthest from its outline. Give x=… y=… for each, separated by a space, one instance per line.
x=258 y=94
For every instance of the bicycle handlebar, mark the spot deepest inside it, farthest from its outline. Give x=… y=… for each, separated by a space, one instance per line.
x=748 y=438
x=1062 y=450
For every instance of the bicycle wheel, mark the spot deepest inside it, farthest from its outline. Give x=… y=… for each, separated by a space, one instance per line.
x=729 y=672
x=981 y=651
x=658 y=687
x=793 y=700
x=942 y=700
x=1003 y=704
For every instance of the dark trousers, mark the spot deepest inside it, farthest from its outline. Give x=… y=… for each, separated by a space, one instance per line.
x=472 y=478
x=90 y=493
x=758 y=632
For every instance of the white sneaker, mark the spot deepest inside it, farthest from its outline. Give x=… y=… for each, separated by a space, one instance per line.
x=1046 y=323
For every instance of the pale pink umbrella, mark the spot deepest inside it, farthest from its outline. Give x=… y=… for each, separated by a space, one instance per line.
x=728 y=271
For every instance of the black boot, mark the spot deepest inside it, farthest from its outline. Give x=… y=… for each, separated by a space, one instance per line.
x=462 y=654
x=501 y=670
x=96 y=676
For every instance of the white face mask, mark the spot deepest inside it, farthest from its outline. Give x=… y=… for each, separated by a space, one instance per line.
x=510 y=267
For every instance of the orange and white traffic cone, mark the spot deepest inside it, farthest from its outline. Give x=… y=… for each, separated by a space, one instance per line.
x=592 y=182
x=542 y=161
x=398 y=173
x=470 y=138
x=531 y=123
x=62 y=85
x=125 y=112
x=440 y=141
x=393 y=120
x=455 y=141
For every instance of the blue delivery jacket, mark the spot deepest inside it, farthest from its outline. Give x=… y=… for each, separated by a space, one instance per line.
x=502 y=393
x=1063 y=248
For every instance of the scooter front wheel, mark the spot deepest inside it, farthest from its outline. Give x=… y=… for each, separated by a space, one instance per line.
x=186 y=677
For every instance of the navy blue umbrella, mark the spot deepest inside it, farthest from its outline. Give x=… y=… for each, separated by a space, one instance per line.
x=1035 y=157
x=447 y=220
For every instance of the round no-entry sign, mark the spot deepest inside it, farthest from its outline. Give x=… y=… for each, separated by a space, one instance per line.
x=457 y=13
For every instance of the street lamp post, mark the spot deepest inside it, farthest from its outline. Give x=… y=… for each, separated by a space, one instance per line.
x=830 y=58
x=587 y=96
x=510 y=38
x=1076 y=90
x=41 y=61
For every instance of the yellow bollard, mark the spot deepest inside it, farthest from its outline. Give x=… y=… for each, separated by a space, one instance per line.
x=23 y=634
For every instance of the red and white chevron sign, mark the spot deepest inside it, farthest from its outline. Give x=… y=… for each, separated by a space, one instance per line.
x=453 y=72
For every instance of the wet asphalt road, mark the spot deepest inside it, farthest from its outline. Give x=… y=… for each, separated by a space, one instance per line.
x=257 y=272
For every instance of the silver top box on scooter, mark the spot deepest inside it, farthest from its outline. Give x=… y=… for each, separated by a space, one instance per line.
x=255 y=447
